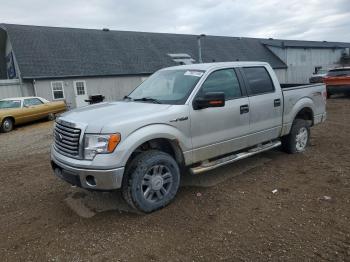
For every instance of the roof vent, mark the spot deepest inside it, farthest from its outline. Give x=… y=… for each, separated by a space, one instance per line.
x=270 y=38
x=105 y=29
x=182 y=59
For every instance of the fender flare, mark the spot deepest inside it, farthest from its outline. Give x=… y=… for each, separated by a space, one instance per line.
x=304 y=102
x=150 y=132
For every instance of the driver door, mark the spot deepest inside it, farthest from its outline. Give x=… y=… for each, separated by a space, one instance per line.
x=220 y=130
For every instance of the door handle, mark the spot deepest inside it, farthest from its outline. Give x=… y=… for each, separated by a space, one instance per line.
x=244 y=109
x=277 y=102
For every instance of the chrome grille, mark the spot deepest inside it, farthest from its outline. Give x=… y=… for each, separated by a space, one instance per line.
x=67 y=139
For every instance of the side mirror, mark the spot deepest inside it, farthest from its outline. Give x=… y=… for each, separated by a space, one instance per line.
x=210 y=99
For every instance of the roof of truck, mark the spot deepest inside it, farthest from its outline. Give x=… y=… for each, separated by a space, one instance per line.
x=208 y=66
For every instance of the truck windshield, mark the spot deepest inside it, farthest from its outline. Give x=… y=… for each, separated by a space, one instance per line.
x=167 y=87
x=10 y=104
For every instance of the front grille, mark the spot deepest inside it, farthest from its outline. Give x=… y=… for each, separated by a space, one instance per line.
x=67 y=139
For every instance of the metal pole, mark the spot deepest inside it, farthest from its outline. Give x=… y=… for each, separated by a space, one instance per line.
x=200 y=60
x=199 y=50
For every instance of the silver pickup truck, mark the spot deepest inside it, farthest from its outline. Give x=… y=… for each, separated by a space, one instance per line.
x=193 y=117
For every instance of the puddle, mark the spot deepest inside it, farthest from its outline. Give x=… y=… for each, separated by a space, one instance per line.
x=88 y=203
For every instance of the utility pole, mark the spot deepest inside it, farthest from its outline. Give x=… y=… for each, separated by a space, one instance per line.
x=200 y=60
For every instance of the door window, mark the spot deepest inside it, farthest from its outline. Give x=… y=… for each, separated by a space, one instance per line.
x=225 y=81
x=32 y=102
x=259 y=81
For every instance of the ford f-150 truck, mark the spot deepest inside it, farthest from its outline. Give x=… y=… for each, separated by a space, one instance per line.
x=192 y=117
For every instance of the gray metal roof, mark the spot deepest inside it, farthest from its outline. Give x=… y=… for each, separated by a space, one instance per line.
x=49 y=52
x=304 y=44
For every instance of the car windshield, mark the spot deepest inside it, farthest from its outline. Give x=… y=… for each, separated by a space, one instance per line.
x=167 y=86
x=10 y=104
x=339 y=72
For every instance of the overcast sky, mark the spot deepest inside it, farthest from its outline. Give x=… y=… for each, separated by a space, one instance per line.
x=288 y=19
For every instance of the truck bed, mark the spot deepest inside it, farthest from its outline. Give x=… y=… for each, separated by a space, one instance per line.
x=311 y=94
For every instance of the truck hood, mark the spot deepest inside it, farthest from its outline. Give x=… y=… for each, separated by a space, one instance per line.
x=99 y=116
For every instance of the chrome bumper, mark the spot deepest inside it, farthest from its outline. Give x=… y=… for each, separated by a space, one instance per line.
x=88 y=178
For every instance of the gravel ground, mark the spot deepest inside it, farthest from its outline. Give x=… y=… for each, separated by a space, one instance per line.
x=228 y=214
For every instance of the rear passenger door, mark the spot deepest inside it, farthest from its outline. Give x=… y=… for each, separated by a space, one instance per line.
x=266 y=106
x=220 y=130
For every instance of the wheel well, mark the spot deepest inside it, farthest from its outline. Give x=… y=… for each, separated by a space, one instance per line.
x=10 y=117
x=162 y=144
x=306 y=114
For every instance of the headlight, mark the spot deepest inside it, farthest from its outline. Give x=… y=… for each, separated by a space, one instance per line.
x=100 y=144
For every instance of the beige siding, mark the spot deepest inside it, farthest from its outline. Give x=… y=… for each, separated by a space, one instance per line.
x=113 y=88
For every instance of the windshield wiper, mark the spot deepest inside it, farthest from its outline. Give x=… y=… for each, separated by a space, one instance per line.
x=127 y=97
x=150 y=99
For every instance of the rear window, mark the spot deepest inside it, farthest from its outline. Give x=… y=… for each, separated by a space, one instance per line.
x=259 y=81
x=339 y=72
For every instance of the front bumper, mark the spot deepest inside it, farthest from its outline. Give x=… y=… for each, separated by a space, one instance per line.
x=94 y=179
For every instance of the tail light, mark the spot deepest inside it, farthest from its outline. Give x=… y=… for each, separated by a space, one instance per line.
x=324 y=95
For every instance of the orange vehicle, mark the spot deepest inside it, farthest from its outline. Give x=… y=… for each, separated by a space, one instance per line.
x=338 y=81
x=21 y=110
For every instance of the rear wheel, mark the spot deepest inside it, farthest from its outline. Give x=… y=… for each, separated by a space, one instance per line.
x=7 y=125
x=151 y=181
x=51 y=117
x=298 y=138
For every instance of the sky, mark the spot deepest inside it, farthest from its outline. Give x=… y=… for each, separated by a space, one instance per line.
x=286 y=19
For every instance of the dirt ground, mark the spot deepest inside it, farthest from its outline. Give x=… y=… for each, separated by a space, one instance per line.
x=228 y=214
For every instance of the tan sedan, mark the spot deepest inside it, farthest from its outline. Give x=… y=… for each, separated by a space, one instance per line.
x=21 y=110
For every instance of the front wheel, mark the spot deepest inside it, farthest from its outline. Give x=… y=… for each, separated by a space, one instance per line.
x=7 y=125
x=151 y=181
x=298 y=138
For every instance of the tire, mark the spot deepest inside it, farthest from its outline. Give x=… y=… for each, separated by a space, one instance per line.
x=151 y=181
x=7 y=125
x=298 y=138
x=51 y=117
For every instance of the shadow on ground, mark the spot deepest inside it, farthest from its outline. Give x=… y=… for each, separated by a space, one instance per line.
x=87 y=203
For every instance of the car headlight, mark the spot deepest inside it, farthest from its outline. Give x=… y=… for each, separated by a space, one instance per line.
x=100 y=144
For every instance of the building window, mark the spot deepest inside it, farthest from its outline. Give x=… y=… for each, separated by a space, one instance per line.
x=80 y=88
x=57 y=90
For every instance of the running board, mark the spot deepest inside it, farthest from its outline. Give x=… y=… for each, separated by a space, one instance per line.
x=206 y=166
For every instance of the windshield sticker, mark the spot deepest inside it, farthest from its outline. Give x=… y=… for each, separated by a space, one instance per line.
x=194 y=73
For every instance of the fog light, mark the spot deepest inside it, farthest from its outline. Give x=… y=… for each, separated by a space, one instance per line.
x=90 y=180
